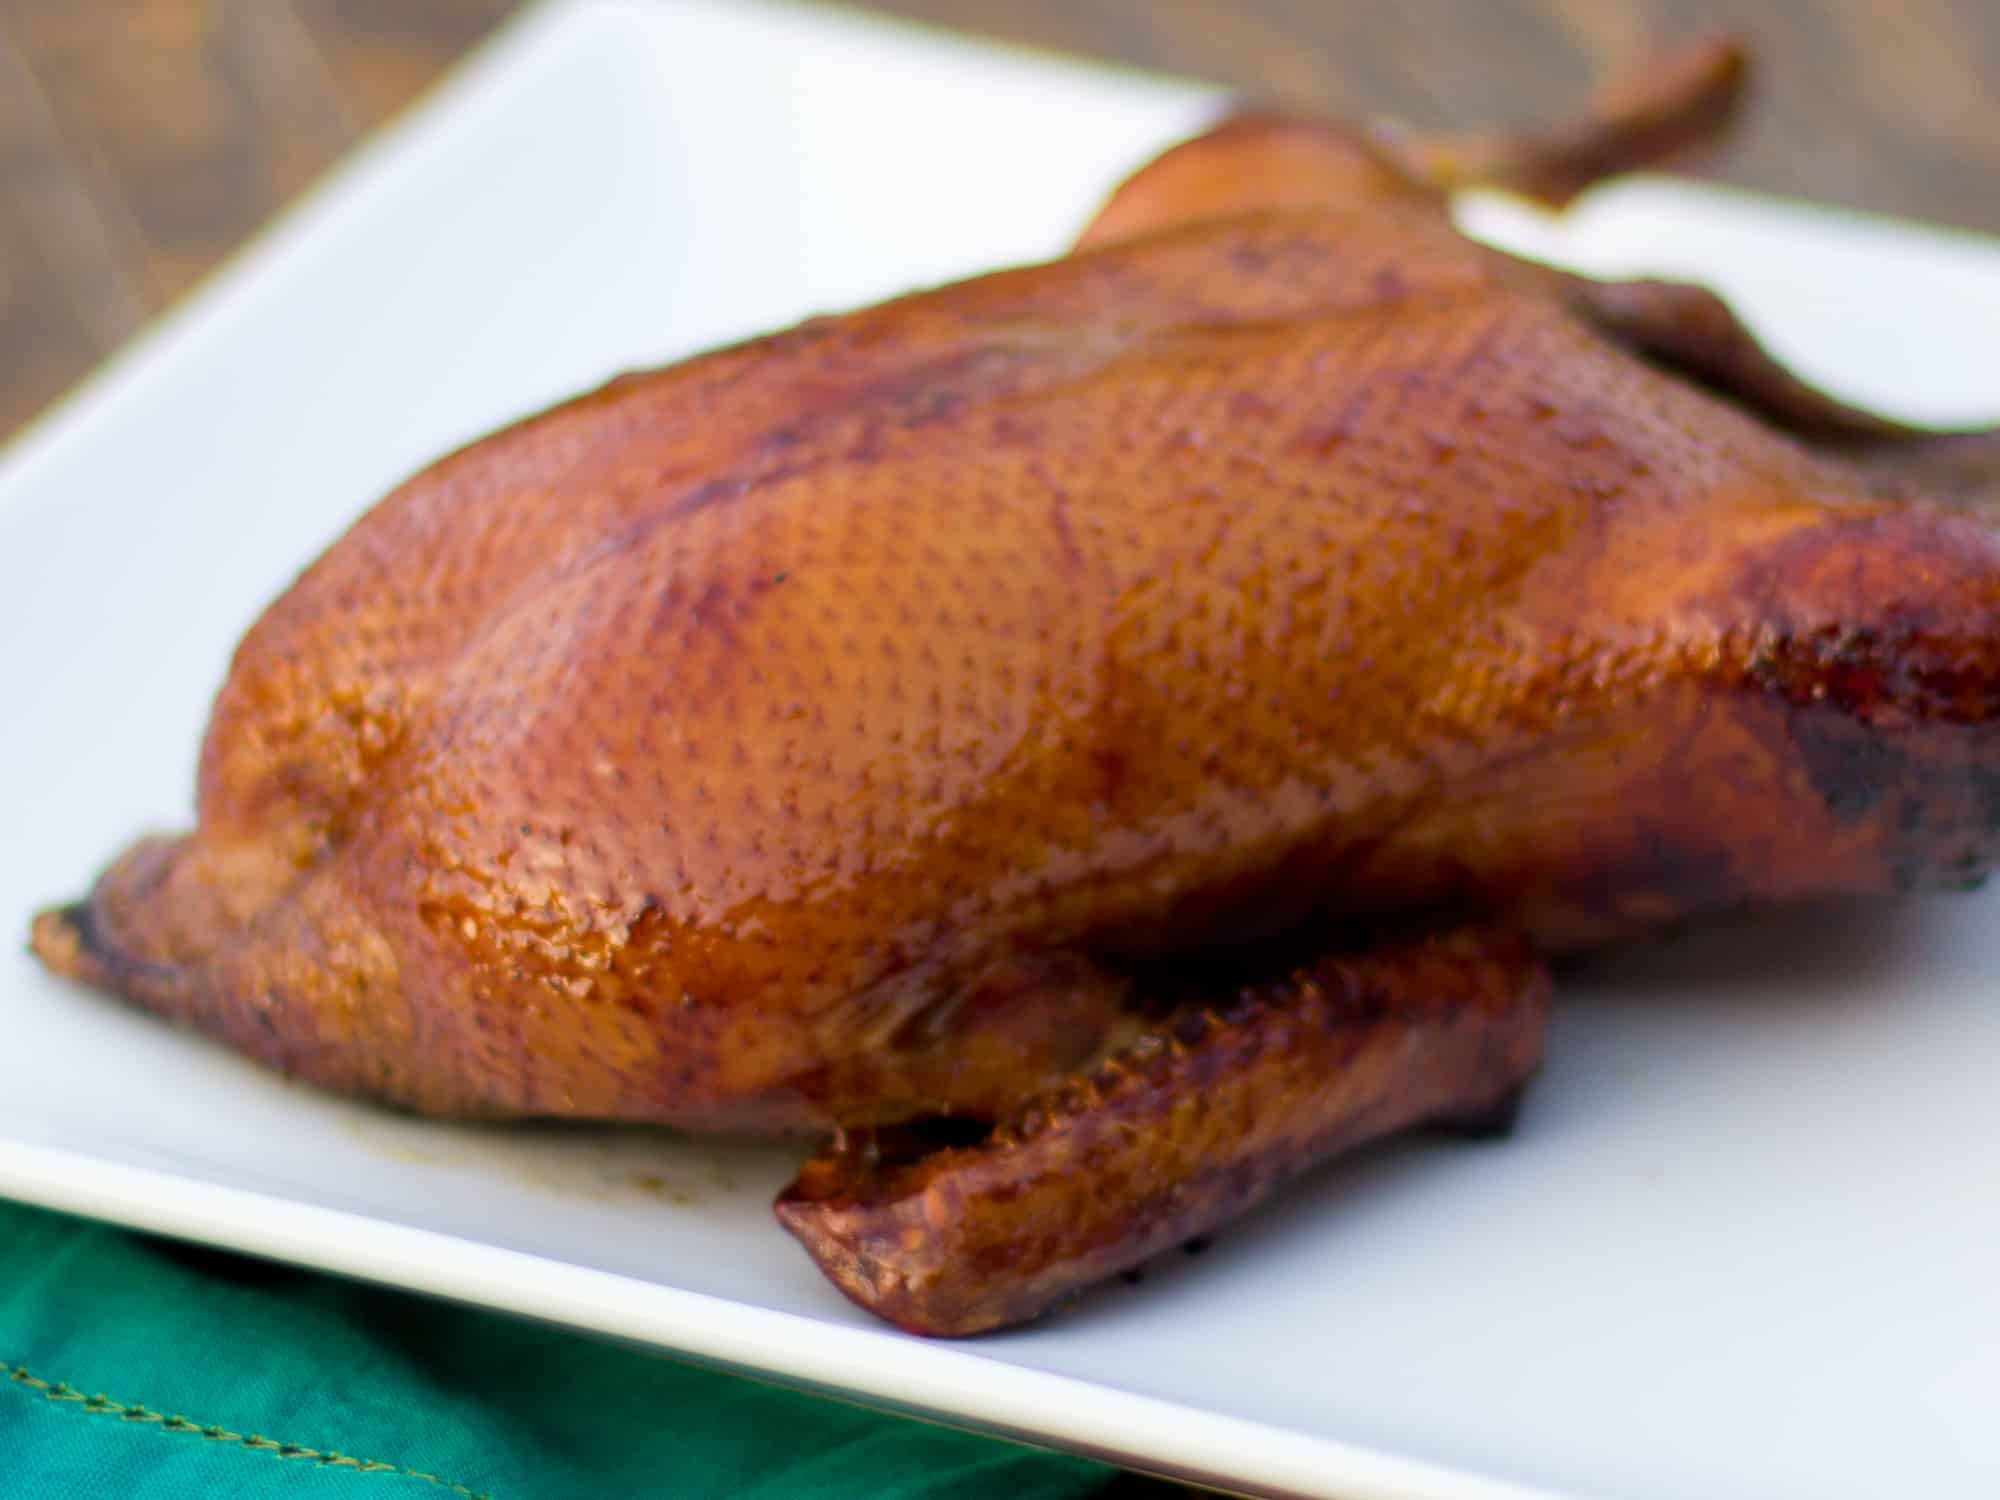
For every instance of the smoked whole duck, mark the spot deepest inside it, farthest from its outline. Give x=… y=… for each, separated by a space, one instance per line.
x=1094 y=740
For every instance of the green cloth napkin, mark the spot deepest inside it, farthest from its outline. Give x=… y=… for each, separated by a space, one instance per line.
x=150 y=1370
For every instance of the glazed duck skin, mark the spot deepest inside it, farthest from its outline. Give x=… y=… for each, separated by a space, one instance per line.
x=840 y=729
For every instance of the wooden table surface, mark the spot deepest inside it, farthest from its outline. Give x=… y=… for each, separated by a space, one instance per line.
x=142 y=140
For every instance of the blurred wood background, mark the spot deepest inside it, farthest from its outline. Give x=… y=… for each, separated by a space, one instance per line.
x=142 y=140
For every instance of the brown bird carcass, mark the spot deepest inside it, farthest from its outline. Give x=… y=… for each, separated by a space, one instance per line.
x=1097 y=738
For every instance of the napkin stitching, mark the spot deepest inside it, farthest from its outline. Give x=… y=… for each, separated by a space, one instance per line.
x=62 y=1393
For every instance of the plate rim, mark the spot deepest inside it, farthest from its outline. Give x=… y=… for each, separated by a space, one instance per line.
x=935 y=1381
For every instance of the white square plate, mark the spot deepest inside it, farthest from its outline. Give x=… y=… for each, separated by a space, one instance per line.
x=1746 y=1242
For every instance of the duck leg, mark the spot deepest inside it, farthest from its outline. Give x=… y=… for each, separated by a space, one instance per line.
x=1668 y=110
x=1676 y=106
x=1180 y=1130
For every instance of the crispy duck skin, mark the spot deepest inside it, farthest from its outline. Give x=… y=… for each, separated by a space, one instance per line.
x=842 y=729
